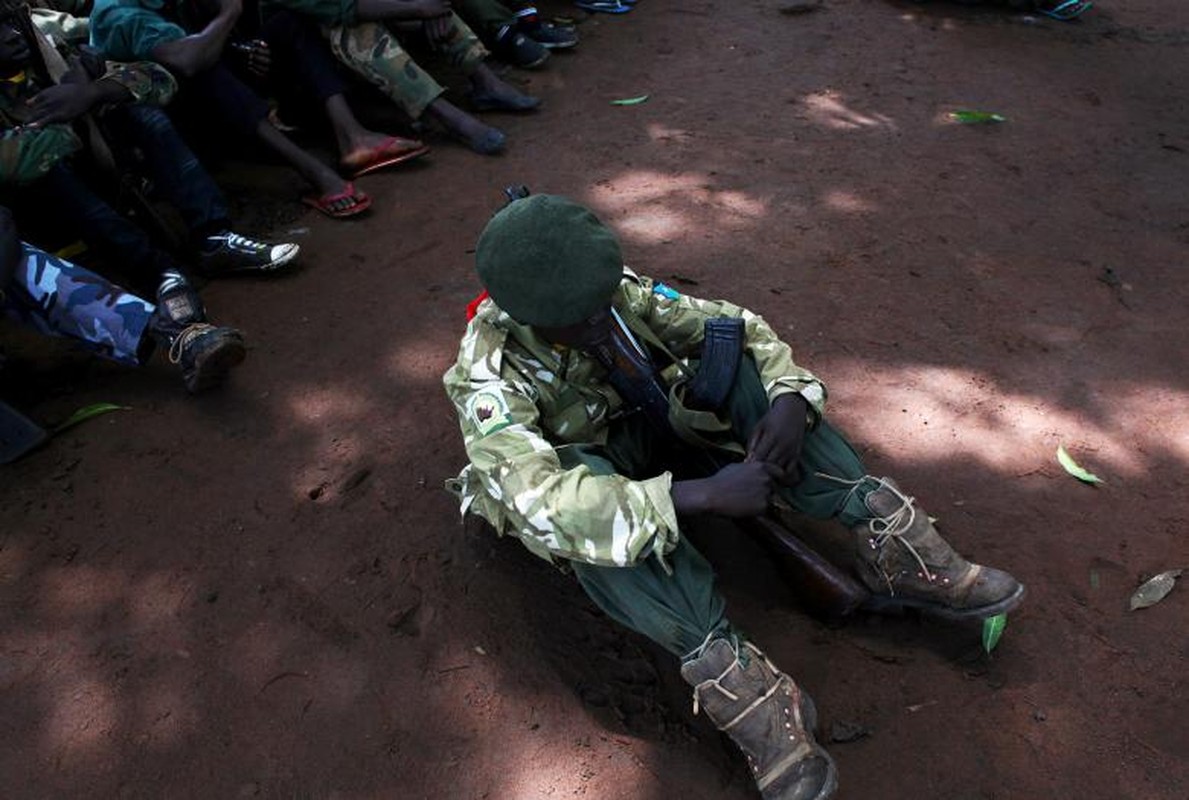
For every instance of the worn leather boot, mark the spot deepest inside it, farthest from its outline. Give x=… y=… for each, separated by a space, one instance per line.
x=905 y=563
x=766 y=715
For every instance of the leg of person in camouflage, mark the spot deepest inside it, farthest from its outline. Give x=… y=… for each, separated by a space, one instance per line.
x=900 y=557
x=677 y=606
x=373 y=51
x=59 y=298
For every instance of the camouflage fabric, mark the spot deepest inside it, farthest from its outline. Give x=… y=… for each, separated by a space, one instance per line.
x=375 y=53
x=58 y=298
x=520 y=401
x=61 y=26
x=28 y=153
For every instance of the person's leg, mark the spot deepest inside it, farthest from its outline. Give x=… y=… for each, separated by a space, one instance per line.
x=744 y=694
x=299 y=51
x=62 y=196
x=245 y=113
x=373 y=52
x=59 y=298
x=900 y=555
x=464 y=52
x=176 y=171
x=497 y=27
x=181 y=179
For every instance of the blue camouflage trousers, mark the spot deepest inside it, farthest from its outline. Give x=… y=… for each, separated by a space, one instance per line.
x=58 y=298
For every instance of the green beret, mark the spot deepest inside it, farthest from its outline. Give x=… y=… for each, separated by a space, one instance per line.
x=548 y=261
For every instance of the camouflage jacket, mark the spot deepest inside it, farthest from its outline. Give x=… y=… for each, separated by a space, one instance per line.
x=519 y=399
x=28 y=153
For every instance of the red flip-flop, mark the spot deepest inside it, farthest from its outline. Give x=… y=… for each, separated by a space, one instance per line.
x=332 y=205
x=394 y=150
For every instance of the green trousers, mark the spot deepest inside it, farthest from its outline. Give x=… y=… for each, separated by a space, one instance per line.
x=682 y=609
x=377 y=54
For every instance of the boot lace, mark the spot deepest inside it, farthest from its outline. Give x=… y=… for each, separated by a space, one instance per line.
x=891 y=527
x=178 y=346
x=716 y=683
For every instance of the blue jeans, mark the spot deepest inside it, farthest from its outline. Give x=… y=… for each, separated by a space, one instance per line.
x=64 y=197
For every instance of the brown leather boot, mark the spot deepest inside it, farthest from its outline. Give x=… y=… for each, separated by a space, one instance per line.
x=766 y=715
x=905 y=563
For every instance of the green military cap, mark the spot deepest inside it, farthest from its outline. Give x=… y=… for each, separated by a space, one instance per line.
x=548 y=261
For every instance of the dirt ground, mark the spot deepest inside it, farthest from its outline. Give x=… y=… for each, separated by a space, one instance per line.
x=265 y=592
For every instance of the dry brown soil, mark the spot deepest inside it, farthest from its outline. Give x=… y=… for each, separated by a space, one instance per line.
x=265 y=592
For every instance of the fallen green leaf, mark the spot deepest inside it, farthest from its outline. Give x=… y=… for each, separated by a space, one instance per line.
x=85 y=413
x=630 y=101
x=975 y=117
x=1074 y=468
x=992 y=630
x=1154 y=589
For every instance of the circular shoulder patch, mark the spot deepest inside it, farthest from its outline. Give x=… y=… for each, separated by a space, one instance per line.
x=488 y=411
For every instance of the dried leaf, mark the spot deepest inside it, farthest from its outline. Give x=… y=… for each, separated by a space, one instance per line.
x=1075 y=469
x=630 y=101
x=976 y=117
x=1155 y=589
x=84 y=414
x=992 y=630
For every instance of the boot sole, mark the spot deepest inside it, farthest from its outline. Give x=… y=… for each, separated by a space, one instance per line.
x=883 y=604
x=215 y=366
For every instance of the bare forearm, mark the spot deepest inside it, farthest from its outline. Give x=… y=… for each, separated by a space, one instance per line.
x=200 y=51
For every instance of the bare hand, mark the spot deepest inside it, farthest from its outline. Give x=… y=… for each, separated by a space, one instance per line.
x=778 y=436
x=736 y=490
x=62 y=103
x=256 y=56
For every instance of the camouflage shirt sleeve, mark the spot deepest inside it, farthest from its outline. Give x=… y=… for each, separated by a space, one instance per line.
x=679 y=320
x=61 y=26
x=516 y=481
x=147 y=82
x=28 y=153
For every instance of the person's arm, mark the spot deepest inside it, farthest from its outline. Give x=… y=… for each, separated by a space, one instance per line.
x=200 y=51
x=515 y=478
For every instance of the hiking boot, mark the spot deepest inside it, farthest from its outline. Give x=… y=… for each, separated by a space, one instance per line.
x=766 y=715
x=518 y=50
x=906 y=563
x=204 y=352
x=229 y=253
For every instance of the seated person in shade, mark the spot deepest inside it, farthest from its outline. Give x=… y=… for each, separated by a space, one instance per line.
x=371 y=36
x=136 y=30
x=44 y=105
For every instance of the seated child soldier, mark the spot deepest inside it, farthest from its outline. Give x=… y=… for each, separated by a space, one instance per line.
x=58 y=298
x=46 y=102
x=562 y=457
